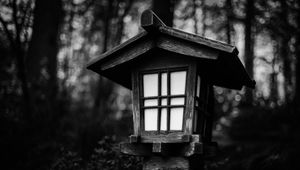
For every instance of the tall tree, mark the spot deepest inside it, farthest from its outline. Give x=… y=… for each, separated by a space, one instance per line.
x=249 y=46
x=165 y=10
x=229 y=14
x=42 y=55
x=101 y=91
x=15 y=26
x=297 y=53
x=112 y=17
x=284 y=39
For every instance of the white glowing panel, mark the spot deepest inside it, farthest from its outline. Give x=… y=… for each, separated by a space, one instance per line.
x=151 y=102
x=178 y=81
x=150 y=116
x=163 y=102
x=164 y=84
x=163 y=119
x=177 y=101
x=198 y=86
x=176 y=118
x=150 y=85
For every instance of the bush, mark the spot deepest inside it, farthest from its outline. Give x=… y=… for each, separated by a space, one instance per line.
x=106 y=156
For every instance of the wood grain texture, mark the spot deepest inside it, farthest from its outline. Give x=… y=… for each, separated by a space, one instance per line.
x=190 y=104
x=194 y=147
x=136 y=104
x=206 y=150
x=156 y=147
x=165 y=138
x=132 y=52
x=199 y=40
x=187 y=48
x=106 y=55
x=134 y=139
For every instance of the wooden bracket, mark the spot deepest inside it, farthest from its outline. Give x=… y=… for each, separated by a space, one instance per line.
x=156 y=147
x=186 y=138
x=134 y=138
x=194 y=147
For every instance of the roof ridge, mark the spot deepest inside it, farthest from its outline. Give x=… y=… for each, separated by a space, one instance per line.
x=198 y=39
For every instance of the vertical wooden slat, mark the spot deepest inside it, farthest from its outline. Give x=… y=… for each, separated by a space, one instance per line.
x=159 y=101
x=210 y=110
x=168 y=100
x=136 y=103
x=190 y=103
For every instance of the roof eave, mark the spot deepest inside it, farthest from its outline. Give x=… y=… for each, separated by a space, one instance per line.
x=105 y=56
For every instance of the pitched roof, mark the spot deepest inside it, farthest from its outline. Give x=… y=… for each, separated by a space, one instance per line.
x=112 y=64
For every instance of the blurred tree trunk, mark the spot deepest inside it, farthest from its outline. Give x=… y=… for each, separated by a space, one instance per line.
x=195 y=18
x=164 y=10
x=297 y=89
x=18 y=39
x=100 y=98
x=284 y=53
x=42 y=56
x=273 y=77
x=203 y=17
x=112 y=33
x=228 y=22
x=249 y=46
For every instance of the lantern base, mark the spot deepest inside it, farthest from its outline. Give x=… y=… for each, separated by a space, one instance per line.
x=171 y=156
x=169 y=149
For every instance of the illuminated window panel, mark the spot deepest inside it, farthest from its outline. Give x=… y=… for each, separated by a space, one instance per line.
x=163 y=119
x=177 y=101
x=150 y=85
x=164 y=100
x=178 y=81
x=176 y=118
x=151 y=102
x=150 y=117
x=164 y=85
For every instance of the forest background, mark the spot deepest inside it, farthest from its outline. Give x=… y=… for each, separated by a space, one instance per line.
x=55 y=114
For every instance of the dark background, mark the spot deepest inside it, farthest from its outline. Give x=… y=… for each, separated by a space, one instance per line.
x=55 y=114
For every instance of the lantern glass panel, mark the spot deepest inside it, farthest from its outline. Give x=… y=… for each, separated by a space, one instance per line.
x=163 y=99
x=150 y=85
x=177 y=101
x=164 y=84
x=163 y=119
x=151 y=102
x=164 y=102
x=151 y=116
x=176 y=118
x=178 y=81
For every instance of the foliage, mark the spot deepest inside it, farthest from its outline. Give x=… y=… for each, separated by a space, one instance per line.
x=261 y=138
x=106 y=156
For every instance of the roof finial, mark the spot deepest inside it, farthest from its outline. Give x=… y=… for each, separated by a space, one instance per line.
x=149 y=20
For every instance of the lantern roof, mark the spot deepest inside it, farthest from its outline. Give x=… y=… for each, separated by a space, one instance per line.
x=222 y=65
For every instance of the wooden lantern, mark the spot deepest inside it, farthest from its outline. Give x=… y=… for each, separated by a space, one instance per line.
x=171 y=74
